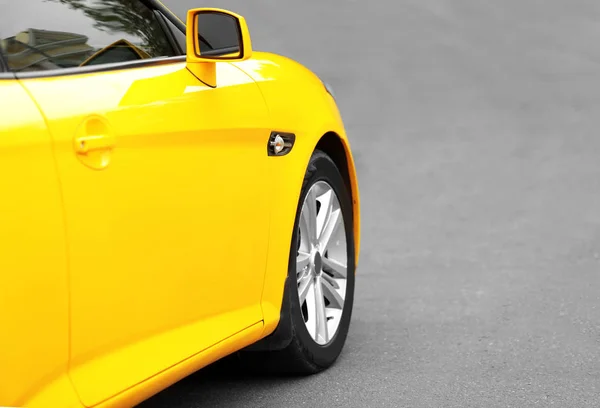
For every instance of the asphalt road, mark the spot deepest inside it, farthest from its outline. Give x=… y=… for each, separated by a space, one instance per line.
x=475 y=125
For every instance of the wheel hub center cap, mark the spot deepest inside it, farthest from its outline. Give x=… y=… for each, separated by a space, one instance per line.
x=317 y=262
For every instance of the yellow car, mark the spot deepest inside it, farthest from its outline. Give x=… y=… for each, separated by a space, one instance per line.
x=169 y=197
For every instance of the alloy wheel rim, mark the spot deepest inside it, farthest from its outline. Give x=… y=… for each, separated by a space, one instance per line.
x=321 y=262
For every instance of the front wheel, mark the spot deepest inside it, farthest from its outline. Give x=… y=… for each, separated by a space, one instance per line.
x=321 y=272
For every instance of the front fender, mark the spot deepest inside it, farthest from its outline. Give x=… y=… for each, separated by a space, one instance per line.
x=298 y=103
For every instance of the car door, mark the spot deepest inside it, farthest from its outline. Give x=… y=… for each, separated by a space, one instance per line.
x=33 y=266
x=164 y=186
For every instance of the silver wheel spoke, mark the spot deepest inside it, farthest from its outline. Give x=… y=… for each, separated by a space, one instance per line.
x=321 y=262
x=302 y=261
x=309 y=216
x=331 y=281
x=306 y=284
x=335 y=299
x=321 y=314
x=335 y=268
x=326 y=200
x=331 y=226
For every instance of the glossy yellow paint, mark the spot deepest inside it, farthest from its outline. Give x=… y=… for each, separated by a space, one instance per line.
x=299 y=103
x=171 y=375
x=34 y=287
x=205 y=68
x=160 y=227
x=148 y=232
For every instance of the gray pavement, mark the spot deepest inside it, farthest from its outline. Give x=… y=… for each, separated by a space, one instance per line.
x=476 y=126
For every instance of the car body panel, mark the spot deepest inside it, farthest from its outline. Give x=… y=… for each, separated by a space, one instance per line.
x=159 y=245
x=34 y=287
x=168 y=377
x=299 y=103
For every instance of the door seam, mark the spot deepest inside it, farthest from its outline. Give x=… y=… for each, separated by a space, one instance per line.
x=65 y=232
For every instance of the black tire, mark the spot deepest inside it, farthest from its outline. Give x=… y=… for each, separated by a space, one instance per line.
x=303 y=355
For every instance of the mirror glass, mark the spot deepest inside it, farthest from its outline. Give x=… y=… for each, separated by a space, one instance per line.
x=219 y=34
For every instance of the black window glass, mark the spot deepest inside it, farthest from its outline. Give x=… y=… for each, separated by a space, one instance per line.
x=38 y=35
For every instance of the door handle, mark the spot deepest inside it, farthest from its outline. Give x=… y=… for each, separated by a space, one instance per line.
x=87 y=144
x=94 y=142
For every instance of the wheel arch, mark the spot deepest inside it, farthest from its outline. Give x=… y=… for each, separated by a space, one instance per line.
x=278 y=334
x=339 y=151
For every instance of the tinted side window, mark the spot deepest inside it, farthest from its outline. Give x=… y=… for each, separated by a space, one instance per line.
x=179 y=36
x=38 y=35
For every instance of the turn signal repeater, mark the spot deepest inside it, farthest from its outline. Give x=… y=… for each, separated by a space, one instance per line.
x=280 y=143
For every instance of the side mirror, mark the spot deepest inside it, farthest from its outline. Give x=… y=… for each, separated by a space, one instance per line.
x=217 y=35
